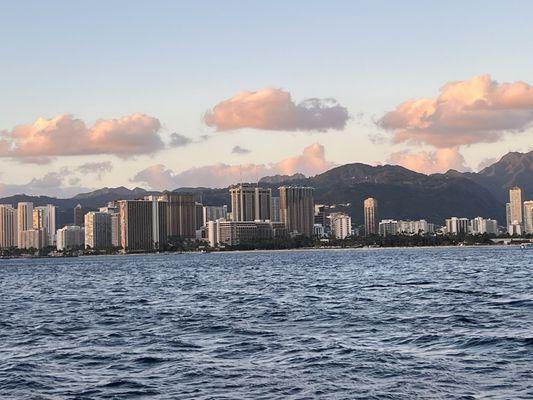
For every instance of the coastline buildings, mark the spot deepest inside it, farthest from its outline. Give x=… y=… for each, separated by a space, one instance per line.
x=97 y=230
x=24 y=220
x=274 y=210
x=480 y=225
x=112 y=210
x=233 y=233
x=370 y=206
x=250 y=203
x=297 y=209
x=44 y=217
x=457 y=226
x=78 y=215
x=341 y=225
x=70 y=237
x=528 y=216
x=415 y=227
x=33 y=239
x=515 y=205
x=388 y=227
x=212 y=213
x=136 y=225
x=181 y=214
x=8 y=226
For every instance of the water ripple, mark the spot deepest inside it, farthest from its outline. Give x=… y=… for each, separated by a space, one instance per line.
x=373 y=324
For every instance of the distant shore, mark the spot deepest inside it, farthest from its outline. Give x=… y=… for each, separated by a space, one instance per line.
x=300 y=249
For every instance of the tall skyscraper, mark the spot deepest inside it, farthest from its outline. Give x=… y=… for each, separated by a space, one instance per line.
x=181 y=218
x=199 y=217
x=8 y=226
x=274 y=210
x=371 y=216
x=515 y=205
x=78 y=215
x=44 y=217
x=136 y=224
x=297 y=209
x=528 y=216
x=24 y=219
x=97 y=230
x=250 y=203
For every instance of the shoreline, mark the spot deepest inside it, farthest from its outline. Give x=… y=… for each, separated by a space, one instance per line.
x=301 y=249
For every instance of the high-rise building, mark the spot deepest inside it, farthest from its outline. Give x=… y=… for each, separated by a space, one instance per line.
x=263 y=204
x=515 y=205
x=212 y=213
x=199 y=217
x=44 y=217
x=70 y=237
x=24 y=219
x=388 y=227
x=341 y=225
x=415 y=227
x=250 y=203
x=78 y=215
x=456 y=226
x=528 y=216
x=112 y=210
x=370 y=206
x=480 y=225
x=297 y=209
x=136 y=224
x=97 y=230
x=274 y=210
x=181 y=214
x=33 y=239
x=8 y=226
x=508 y=214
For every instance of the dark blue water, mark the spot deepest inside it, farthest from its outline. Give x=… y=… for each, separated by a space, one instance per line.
x=410 y=323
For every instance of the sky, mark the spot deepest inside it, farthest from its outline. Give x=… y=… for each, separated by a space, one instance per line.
x=166 y=94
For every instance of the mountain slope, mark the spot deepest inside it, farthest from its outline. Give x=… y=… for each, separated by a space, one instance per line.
x=512 y=169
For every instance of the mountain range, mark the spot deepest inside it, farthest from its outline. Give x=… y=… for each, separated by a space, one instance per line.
x=401 y=193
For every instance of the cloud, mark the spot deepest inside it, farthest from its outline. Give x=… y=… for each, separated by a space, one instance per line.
x=311 y=162
x=177 y=140
x=440 y=160
x=487 y=162
x=51 y=184
x=274 y=109
x=98 y=168
x=464 y=112
x=65 y=135
x=240 y=150
x=95 y=167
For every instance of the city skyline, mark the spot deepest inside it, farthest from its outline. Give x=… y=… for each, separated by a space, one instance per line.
x=222 y=101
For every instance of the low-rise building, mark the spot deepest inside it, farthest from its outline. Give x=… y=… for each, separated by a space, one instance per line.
x=232 y=233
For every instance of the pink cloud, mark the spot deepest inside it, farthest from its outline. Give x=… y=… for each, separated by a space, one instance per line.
x=440 y=160
x=65 y=135
x=274 y=109
x=311 y=162
x=464 y=112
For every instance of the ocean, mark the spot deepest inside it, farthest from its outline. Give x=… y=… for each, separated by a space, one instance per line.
x=338 y=324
